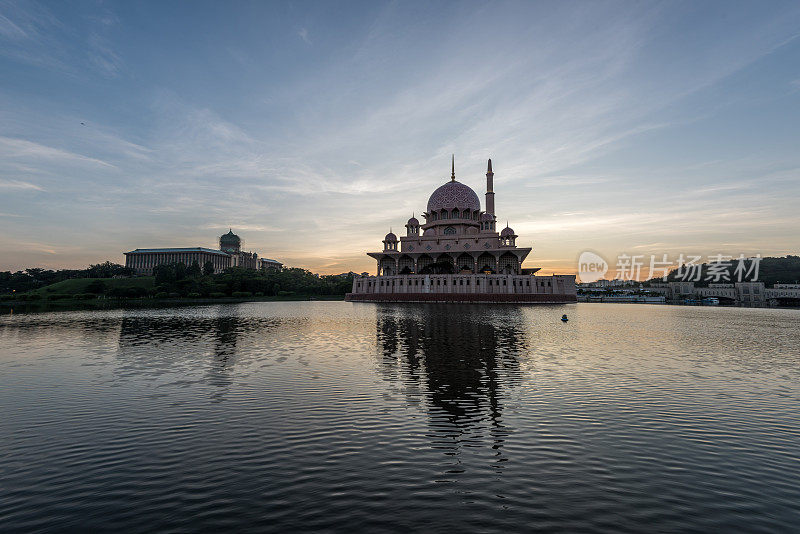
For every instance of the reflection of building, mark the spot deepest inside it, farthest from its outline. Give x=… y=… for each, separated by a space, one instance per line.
x=142 y=260
x=206 y=341
x=458 y=255
x=461 y=366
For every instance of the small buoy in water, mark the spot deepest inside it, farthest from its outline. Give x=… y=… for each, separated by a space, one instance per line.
x=564 y=318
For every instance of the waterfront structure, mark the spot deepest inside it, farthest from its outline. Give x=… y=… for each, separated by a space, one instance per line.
x=747 y=294
x=457 y=254
x=230 y=254
x=621 y=297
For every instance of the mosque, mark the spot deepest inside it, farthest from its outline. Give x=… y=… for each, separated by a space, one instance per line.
x=230 y=254
x=458 y=255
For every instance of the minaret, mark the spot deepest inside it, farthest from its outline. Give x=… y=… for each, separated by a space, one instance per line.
x=490 y=190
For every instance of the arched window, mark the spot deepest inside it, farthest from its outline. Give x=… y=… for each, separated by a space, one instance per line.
x=449 y=231
x=456 y=214
x=509 y=264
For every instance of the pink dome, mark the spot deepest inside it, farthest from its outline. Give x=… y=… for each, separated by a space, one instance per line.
x=454 y=195
x=507 y=232
x=390 y=237
x=412 y=222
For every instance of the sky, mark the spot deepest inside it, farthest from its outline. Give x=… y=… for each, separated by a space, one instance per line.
x=312 y=128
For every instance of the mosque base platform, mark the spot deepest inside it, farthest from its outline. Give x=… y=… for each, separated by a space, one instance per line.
x=487 y=298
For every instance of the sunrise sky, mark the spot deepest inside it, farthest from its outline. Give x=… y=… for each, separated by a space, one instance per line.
x=311 y=128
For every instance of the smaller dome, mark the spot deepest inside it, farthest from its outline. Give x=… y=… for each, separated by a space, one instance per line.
x=390 y=237
x=507 y=232
x=487 y=217
x=412 y=222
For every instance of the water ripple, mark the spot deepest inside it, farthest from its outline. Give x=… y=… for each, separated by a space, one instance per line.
x=335 y=416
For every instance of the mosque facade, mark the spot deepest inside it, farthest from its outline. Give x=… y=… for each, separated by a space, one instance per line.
x=457 y=254
x=230 y=254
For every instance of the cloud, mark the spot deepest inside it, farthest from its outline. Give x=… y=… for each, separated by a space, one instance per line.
x=102 y=56
x=29 y=150
x=246 y=227
x=13 y=184
x=29 y=34
x=314 y=164
x=10 y=30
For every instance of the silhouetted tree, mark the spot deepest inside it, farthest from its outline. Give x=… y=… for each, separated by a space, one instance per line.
x=107 y=270
x=194 y=270
x=164 y=273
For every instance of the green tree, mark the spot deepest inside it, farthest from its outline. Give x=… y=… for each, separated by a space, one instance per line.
x=208 y=268
x=180 y=270
x=107 y=270
x=164 y=273
x=194 y=270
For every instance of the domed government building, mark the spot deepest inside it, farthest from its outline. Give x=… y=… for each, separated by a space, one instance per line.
x=229 y=254
x=457 y=254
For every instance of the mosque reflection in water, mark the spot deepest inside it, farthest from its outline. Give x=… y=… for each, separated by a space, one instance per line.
x=456 y=364
x=459 y=363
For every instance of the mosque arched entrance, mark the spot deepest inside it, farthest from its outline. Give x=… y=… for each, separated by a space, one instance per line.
x=486 y=263
x=465 y=263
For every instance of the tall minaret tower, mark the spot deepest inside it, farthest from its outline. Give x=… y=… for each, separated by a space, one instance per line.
x=490 y=190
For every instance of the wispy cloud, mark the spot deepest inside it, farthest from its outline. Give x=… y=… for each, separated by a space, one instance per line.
x=27 y=150
x=14 y=184
x=102 y=56
x=9 y=30
x=28 y=34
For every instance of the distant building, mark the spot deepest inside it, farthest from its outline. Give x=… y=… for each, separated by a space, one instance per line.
x=607 y=283
x=266 y=264
x=748 y=294
x=230 y=254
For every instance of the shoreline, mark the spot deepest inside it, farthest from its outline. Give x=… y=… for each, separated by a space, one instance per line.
x=146 y=303
x=7 y=307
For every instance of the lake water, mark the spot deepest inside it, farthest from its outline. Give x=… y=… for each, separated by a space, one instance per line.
x=361 y=417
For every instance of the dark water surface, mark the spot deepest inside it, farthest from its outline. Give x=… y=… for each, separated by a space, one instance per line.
x=359 y=417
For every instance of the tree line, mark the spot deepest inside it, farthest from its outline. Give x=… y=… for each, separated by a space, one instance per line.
x=181 y=280
x=34 y=278
x=178 y=279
